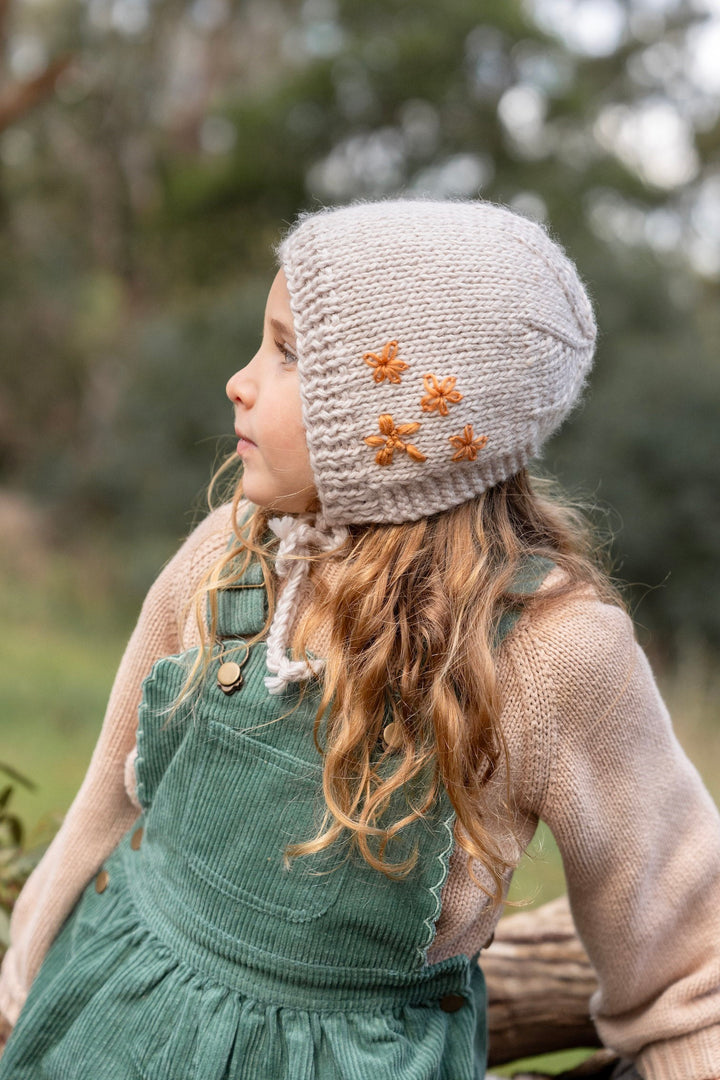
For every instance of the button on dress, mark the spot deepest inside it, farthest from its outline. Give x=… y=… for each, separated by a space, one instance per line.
x=200 y=952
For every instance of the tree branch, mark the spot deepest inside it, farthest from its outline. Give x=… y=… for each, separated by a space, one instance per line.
x=19 y=98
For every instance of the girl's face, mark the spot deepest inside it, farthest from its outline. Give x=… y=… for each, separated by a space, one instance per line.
x=268 y=416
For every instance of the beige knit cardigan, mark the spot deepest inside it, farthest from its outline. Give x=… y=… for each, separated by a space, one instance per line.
x=592 y=752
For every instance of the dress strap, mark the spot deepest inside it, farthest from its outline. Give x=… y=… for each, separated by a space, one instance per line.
x=242 y=607
x=527 y=580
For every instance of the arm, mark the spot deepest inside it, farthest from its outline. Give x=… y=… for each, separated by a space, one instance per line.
x=102 y=811
x=640 y=841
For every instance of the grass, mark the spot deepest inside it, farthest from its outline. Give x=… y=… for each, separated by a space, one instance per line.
x=64 y=630
x=65 y=624
x=551 y=1064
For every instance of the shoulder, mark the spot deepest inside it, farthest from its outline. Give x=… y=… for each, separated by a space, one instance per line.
x=571 y=674
x=580 y=642
x=572 y=637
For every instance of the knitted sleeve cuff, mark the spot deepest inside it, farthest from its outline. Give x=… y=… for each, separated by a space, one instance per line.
x=695 y=1056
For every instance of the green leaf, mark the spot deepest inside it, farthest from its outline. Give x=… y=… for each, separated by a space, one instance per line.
x=14 y=826
x=15 y=775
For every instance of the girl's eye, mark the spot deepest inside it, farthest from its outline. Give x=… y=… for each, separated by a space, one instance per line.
x=289 y=357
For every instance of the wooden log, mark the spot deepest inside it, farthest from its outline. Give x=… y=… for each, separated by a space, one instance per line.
x=539 y=982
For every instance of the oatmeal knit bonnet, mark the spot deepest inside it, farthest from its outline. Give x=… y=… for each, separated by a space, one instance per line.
x=439 y=345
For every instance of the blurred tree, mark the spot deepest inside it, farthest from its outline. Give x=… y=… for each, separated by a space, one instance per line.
x=144 y=199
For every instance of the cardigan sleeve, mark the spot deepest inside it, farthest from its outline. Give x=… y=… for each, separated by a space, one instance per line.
x=640 y=841
x=102 y=812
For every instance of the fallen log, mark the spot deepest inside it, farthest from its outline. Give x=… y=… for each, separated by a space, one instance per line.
x=539 y=982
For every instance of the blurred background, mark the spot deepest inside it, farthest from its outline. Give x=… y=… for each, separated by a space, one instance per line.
x=151 y=153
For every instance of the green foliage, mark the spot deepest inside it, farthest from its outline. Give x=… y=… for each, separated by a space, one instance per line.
x=10 y=824
x=16 y=864
x=643 y=435
x=170 y=419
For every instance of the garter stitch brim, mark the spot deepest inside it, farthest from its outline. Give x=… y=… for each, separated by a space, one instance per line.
x=439 y=345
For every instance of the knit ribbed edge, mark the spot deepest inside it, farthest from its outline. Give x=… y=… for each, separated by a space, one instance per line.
x=414 y=499
x=311 y=321
x=694 y=1056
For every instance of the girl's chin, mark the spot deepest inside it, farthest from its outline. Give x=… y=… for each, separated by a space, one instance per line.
x=280 y=504
x=281 y=507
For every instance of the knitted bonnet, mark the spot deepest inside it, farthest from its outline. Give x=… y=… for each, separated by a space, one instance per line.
x=439 y=344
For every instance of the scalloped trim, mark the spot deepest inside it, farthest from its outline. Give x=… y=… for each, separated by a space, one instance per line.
x=147 y=682
x=443 y=857
x=140 y=733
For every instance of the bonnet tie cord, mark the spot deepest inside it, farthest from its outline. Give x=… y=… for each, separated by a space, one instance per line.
x=298 y=539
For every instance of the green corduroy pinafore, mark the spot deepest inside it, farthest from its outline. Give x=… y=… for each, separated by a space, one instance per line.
x=205 y=956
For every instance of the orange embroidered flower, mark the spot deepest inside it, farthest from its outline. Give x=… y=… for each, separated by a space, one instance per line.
x=387 y=366
x=466 y=445
x=391 y=440
x=439 y=394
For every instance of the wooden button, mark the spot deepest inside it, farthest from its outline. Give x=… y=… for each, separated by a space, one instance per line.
x=229 y=676
x=393 y=735
x=101 y=881
x=450 y=1003
x=136 y=839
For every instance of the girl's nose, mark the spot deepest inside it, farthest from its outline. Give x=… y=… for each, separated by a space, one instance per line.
x=239 y=387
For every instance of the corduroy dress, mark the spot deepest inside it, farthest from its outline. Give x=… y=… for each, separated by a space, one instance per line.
x=198 y=954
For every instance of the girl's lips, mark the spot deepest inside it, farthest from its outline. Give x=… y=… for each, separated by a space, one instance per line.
x=244 y=444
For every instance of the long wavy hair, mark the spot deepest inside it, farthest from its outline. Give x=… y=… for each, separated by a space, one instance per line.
x=411 y=614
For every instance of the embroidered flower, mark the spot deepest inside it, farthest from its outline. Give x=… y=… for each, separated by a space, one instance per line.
x=386 y=365
x=391 y=440
x=438 y=395
x=467 y=445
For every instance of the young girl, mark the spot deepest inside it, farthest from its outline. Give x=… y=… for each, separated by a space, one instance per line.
x=360 y=685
